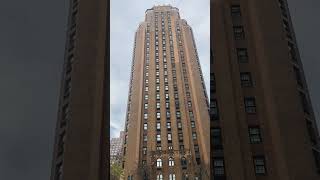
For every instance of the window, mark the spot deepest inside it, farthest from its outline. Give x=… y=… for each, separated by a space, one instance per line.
x=144 y=149
x=292 y=51
x=145 y=126
x=214 y=111
x=158 y=126
x=168 y=125
x=169 y=137
x=189 y=104
x=158 y=105
x=167 y=105
x=172 y=177
x=158 y=115
x=171 y=162
x=304 y=102
x=259 y=165
x=254 y=135
x=235 y=11
x=147 y=81
x=166 y=88
x=178 y=114
x=159 y=164
x=183 y=162
x=316 y=155
x=193 y=124
x=158 y=138
x=167 y=96
x=238 y=32
x=146 y=97
x=145 y=116
x=194 y=135
x=146 y=106
x=145 y=138
x=170 y=147
x=158 y=96
x=216 y=138
x=242 y=54
x=180 y=137
x=179 y=125
x=245 y=78
x=158 y=88
x=298 y=76
x=168 y=114
x=158 y=148
x=311 y=132
x=218 y=167
x=250 y=105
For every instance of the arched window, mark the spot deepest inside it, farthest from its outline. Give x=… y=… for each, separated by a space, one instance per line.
x=171 y=161
x=159 y=163
x=172 y=177
x=159 y=177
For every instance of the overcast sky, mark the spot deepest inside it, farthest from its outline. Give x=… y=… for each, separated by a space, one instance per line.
x=32 y=41
x=125 y=18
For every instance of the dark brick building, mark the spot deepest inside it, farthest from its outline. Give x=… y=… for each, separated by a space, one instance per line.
x=262 y=123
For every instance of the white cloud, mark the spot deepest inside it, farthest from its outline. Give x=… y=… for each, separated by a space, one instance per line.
x=124 y=20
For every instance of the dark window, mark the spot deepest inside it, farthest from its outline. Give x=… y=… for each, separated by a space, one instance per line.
x=212 y=83
x=259 y=165
x=255 y=135
x=198 y=160
x=304 y=102
x=235 y=11
x=287 y=28
x=216 y=138
x=218 y=167
x=292 y=51
x=183 y=162
x=214 y=111
x=242 y=54
x=238 y=32
x=246 y=80
x=180 y=137
x=250 y=105
x=316 y=155
x=311 y=132
x=298 y=76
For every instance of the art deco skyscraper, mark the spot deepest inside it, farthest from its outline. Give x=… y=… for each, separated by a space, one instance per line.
x=80 y=148
x=262 y=122
x=167 y=124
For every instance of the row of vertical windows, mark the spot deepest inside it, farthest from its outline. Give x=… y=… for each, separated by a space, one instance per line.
x=250 y=107
x=67 y=88
x=297 y=73
x=219 y=167
x=184 y=71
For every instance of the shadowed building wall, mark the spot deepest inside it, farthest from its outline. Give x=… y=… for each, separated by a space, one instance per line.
x=80 y=149
x=262 y=122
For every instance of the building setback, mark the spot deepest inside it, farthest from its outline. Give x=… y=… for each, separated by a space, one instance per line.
x=262 y=123
x=167 y=123
x=80 y=146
